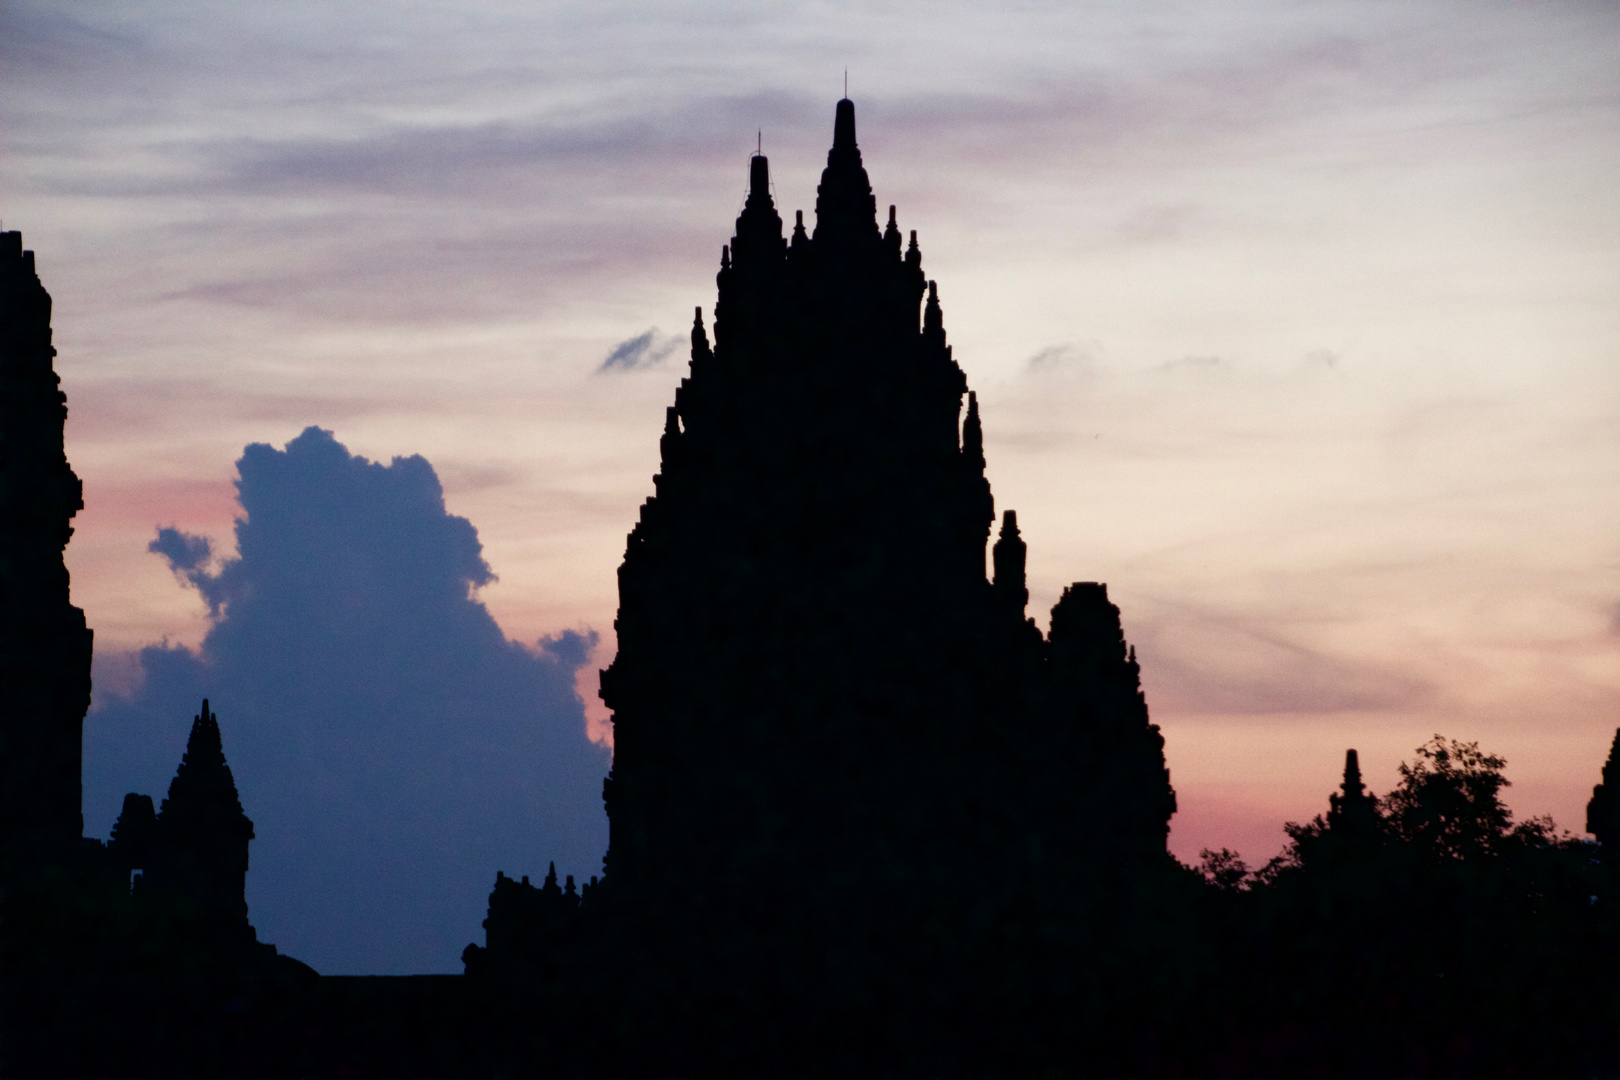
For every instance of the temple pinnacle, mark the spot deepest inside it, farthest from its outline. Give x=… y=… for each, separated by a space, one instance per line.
x=844 y=125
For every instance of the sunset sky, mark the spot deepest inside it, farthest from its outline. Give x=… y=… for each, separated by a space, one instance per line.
x=1298 y=324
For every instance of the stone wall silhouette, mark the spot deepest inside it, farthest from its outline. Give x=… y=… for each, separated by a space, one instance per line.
x=44 y=642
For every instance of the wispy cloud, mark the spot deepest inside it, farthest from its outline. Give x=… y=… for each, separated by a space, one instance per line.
x=1205 y=662
x=1068 y=357
x=643 y=351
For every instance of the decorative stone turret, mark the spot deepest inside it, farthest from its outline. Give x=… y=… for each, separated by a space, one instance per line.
x=1008 y=557
x=1352 y=812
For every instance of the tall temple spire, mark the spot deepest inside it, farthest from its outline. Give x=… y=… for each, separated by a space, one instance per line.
x=759 y=226
x=759 y=177
x=844 y=128
x=846 y=210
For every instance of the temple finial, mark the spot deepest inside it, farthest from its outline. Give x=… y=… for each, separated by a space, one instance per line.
x=205 y=731
x=759 y=177
x=844 y=126
x=846 y=210
x=758 y=241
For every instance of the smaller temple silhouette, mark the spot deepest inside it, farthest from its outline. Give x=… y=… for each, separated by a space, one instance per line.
x=188 y=863
x=1353 y=811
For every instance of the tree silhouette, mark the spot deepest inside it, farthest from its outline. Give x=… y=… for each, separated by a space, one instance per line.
x=1448 y=804
x=1603 y=811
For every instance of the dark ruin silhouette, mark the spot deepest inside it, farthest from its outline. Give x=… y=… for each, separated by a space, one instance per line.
x=866 y=818
x=44 y=648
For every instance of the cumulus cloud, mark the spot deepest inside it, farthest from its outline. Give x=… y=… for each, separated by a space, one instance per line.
x=187 y=554
x=640 y=352
x=392 y=746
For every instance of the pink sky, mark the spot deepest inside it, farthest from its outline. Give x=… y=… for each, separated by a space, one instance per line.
x=1298 y=324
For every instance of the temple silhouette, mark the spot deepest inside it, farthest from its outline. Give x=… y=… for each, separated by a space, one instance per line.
x=866 y=818
x=830 y=726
